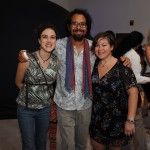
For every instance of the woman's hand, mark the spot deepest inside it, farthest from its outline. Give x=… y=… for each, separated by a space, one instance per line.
x=129 y=128
x=23 y=56
x=126 y=61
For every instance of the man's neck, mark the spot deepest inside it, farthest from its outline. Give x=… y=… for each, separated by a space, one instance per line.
x=79 y=45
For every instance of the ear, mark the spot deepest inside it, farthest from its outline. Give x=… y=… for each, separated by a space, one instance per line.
x=39 y=41
x=112 y=48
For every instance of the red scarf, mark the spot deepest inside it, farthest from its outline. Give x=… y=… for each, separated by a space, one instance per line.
x=70 y=76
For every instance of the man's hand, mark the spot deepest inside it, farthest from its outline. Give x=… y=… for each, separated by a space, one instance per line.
x=126 y=61
x=23 y=56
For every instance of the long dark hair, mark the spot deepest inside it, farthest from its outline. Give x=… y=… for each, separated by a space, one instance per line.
x=132 y=40
x=141 y=53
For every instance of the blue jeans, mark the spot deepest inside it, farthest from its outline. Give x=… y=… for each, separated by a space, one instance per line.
x=34 y=126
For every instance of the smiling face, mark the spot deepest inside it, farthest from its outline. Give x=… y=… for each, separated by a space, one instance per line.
x=103 y=49
x=78 y=27
x=47 y=40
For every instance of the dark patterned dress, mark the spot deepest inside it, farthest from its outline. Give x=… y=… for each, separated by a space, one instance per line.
x=110 y=104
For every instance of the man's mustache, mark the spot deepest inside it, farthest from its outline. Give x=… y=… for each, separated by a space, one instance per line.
x=78 y=30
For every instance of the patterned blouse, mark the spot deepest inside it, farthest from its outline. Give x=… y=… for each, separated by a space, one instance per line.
x=35 y=92
x=110 y=104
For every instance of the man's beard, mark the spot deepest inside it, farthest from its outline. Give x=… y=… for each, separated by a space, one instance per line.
x=78 y=37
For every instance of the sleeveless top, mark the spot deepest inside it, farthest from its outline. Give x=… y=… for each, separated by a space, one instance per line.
x=38 y=87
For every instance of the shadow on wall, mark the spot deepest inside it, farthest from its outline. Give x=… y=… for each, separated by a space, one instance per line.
x=18 y=22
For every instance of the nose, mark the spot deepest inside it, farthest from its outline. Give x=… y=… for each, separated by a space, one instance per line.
x=99 y=48
x=78 y=26
x=49 y=39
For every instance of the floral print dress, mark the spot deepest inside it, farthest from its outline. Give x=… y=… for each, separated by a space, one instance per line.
x=110 y=104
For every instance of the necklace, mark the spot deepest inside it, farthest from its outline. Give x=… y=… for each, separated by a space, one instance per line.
x=107 y=63
x=104 y=64
x=45 y=59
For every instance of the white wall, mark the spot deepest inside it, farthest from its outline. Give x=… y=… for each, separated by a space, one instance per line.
x=114 y=15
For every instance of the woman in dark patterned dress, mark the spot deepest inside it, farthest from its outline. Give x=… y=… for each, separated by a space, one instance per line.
x=35 y=79
x=115 y=97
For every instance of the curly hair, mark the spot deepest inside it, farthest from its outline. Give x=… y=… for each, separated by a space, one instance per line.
x=83 y=12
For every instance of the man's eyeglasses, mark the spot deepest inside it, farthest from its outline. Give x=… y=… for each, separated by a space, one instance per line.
x=81 y=24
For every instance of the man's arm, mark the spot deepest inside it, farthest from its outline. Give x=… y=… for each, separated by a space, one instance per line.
x=126 y=61
x=147 y=53
x=22 y=67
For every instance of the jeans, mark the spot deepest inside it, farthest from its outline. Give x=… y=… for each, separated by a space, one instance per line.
x=34 y=124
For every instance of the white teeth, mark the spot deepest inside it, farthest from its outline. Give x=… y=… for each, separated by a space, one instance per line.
x=100 y=53
x=48 y=45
